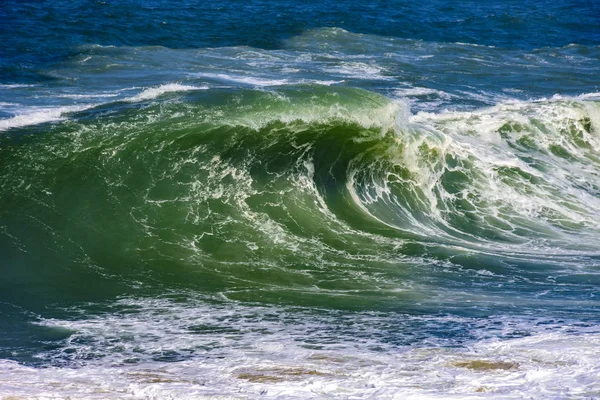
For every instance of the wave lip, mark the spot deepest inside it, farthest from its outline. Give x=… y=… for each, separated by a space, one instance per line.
x=13 y=85
x=262 y=82
x=40 y=115
x=154 y=92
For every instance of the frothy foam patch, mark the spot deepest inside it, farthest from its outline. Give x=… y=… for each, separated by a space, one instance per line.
x=153 y=93
x=158 y=349
x=39 y=115
x=494 y=149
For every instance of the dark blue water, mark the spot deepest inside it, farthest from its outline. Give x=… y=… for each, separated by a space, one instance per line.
x=35 y=33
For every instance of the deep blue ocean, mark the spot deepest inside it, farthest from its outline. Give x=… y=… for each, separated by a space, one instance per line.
x=299 y=200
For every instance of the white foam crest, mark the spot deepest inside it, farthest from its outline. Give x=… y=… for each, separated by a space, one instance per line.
x=487 y=97
x=383 y=116
x=422 y=91
x=423 y=98
x=88 y=96
x=38 y=115
x=13 y=86
x=555 y=114
x=262 y=82
x=589 y=96
x=507 y=194
x=475 y=45
x=153 y=93
x=359 y=70
x=250 y=80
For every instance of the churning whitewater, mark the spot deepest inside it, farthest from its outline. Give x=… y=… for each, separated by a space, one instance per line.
x=338 y=213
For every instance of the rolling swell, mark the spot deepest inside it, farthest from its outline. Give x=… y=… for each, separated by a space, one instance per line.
x=336 y=192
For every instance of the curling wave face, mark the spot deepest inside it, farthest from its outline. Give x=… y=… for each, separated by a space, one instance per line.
x=314 y=185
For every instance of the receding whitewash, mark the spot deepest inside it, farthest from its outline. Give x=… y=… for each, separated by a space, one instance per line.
x=270 y=352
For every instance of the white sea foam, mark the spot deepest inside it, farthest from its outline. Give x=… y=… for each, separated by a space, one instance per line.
x=490 y=150
x=26 y=116
x=88 y=96
x=13 y=86
x=422 y=91
x=262 y=82
x=250 y=80
x=424 y=99
x=590 y=96
x=241 y=351
x=153 y=93
x=38 y=115
x=383 y=117
x=487 y=138
x=359 y=70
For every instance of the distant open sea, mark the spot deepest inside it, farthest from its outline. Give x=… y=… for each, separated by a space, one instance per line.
x=290 y=199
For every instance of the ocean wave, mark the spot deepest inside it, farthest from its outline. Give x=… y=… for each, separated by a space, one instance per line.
x=517 y=174
x=314 y=196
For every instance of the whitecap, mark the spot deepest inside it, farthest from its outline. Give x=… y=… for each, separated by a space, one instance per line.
x=38 y=115
x=154 y=92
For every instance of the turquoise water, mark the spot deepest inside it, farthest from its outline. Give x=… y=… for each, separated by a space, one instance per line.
x=285 y=200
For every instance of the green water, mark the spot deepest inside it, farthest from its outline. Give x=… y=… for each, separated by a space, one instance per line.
x=315 y=197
